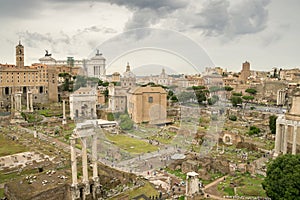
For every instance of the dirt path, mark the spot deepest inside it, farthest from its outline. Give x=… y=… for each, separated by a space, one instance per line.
x=213 y=184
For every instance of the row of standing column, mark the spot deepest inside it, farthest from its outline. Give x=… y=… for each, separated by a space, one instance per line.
x=16 y=102
x=281 y=140
x=29 y=102
x=85 y=178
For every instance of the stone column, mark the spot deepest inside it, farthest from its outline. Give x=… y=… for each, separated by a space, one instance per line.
x=294 y=148
x=27 y=101
x=277 y=139
x=18 y=105
x=285 y=142
x=16 y=102
x=94 y=157
x=12 y=102
x=85 y=178
x=73 y=161
x=19 y=102
x=31 y=102
x=84 y=161
x=64 y=113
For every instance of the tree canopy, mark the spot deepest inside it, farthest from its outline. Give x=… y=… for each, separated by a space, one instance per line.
x=283 y=178
x=235 y=100
x=272 y=123
x=251 y=91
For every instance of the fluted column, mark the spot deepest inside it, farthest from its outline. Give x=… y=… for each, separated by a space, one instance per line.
x=294 y=148
x=94 y=158
x=285 y=142
x=278 y=139
x=27 y=102
x=84 y=161
x=31 y=102
x=64 y=113
x=12 y=102
x=73 y=162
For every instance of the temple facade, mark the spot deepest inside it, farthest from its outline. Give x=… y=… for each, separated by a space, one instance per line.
x=288 y=129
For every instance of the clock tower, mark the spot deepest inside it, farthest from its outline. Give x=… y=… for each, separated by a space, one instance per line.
x=20 y=55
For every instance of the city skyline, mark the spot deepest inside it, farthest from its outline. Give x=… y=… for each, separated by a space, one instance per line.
x=229 y=32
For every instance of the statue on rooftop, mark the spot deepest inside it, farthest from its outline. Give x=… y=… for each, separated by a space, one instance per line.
x=47 y=53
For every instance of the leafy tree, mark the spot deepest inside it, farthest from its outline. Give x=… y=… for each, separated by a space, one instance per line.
x=214 y=99
x=247 y=98
x=250 y=97
x=251 y=91
x=110 y=117
x=253 y=130
x=272 y=123
x=125 y=122
x=174 y=98
x=200 y=87
x=170 y=94
x=228 y=88
x=80 y=82
x=235 y=100
x=239 y=94
x=283 y=178
x=106 y=94
x=185 y=96
x=66 y=85
x=201 y=95
x=104 y=84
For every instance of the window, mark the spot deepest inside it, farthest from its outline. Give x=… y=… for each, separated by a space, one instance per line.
x=150 y=99
x=6 y=90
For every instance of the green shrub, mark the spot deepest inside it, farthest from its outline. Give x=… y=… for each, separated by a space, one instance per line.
x=110 y=117
x=232 y=117
x=253 y=130
x=126 y=123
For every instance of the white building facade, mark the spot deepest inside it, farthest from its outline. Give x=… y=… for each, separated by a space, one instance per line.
x=83 y=103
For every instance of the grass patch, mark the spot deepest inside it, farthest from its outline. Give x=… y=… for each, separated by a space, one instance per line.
x=9 y=147
x=246 y=185
x=177 y=173
x=229 y=191
x=50 y=113
x=164 y=137
x=6 y=177
x=131 y=145
x=1 y=192
x=147 y=190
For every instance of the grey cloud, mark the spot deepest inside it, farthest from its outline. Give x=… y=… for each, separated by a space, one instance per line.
x=150 y=4
x=19 y=9
x=97 y=29
x=249 y=17
x=32 y=39
x=214 y=18
x=219 y=17
x=148 y=12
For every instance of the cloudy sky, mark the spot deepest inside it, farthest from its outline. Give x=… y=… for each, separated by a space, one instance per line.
x=173 y=33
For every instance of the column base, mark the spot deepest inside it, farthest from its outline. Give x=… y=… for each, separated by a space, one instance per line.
x=64 y=122
x=96 y=188
x=75 y=193
x=87 y=188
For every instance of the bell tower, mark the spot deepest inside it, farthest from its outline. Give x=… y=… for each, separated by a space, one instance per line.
x=20 y=55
